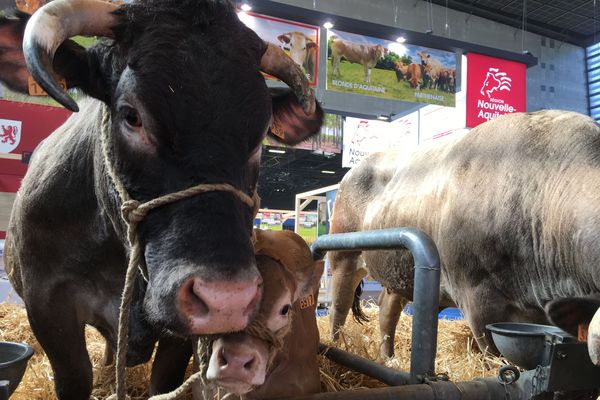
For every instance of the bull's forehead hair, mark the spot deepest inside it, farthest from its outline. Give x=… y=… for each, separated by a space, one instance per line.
x=145 y=13
x=194 y=59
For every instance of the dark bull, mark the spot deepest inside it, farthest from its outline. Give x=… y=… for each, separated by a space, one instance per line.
x=188 y=105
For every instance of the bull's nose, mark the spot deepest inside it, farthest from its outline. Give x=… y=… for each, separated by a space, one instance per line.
x=218 y=306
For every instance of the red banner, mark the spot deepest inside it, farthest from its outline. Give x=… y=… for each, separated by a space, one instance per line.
x=22 y=127
x=494 y=87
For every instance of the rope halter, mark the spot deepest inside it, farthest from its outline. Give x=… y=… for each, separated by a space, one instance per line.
x=133 y=212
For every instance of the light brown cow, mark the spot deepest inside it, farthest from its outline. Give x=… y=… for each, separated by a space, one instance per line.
x=303 y=50
x=432 y=68
x=513 y=207
x=367 y=55
x=410 y=73
x=243 y=364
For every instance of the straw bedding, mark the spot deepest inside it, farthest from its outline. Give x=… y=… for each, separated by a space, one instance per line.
x=457 y=356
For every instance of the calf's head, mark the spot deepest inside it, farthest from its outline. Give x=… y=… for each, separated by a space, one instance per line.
x=241 y=361
x=188 y=105
x=579 y=316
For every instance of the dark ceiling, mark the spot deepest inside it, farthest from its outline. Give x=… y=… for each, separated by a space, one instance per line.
x=571 y=21
x=282 y=176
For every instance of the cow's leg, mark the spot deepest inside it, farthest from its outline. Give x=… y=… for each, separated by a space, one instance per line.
x=367 y=73
x=390 y=307
x=170 y=363
x=62 y=337
x=346 y=275
x=335 y=62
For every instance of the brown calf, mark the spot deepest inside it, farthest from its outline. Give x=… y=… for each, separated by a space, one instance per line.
x=411 y=73
x=241 y=363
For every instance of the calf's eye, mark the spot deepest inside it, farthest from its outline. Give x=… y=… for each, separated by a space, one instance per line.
x=286 y=309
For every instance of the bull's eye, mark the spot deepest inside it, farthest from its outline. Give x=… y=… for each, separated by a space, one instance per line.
x=286 y=309
x=132 y=117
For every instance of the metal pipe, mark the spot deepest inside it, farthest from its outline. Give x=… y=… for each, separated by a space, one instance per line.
x=480 y=389
x=426 y=283
x=389 y=376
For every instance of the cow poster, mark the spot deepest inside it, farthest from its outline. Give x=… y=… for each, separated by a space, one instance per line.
x=388 y=69
x=364 y=136
x=299 y=41
x=494 y=87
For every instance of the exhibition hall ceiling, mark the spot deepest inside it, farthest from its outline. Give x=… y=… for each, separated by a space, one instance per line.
x=570 y=21
x=283 y=175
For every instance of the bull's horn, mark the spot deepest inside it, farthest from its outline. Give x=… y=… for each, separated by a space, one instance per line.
x=593 y=338
x=53 y=24
x=275 y=62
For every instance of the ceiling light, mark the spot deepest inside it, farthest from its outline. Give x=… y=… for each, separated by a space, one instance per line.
x=325 y=171
x=328 y=25
x=383 y=117
x=401 y=39
x=246 y=7
x=277 y=151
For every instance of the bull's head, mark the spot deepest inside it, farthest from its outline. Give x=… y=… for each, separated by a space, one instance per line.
x=188 y=105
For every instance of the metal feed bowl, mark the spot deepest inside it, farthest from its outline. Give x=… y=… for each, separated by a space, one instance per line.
x=13 y=362
x=525 y=345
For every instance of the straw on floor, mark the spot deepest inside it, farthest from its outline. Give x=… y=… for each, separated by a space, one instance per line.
x=458 y=356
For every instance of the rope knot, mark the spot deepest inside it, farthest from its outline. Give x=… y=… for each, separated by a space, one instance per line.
x=131 y=212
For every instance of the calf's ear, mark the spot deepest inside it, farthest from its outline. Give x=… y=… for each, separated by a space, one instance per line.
x=309 y=280
x=571 y=313
x=291 y=125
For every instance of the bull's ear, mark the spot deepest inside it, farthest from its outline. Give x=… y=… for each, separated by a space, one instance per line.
x=290 y=124
x=13 y=71
x=309 y=280
x=84 y=68
x=72 y=62
x=571 y=313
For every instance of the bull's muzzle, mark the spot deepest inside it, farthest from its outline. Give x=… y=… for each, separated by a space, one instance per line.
x=209 y=307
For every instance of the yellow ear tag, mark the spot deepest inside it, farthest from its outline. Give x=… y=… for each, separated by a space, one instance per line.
x=307 y=301
x=582 y=332
x=36 y=90
x=277 y=130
